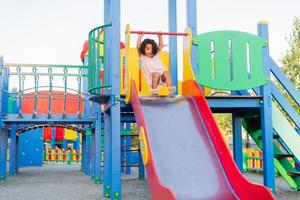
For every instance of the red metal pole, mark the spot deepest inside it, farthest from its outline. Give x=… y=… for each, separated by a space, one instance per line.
x=158 y=33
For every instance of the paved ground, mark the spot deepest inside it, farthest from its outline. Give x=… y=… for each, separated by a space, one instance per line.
x=283 y=190
x=60 y=181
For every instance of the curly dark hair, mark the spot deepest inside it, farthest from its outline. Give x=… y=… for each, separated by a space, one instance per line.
x=148 y=41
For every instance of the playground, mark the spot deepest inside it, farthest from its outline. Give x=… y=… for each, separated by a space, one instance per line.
x=98 y=130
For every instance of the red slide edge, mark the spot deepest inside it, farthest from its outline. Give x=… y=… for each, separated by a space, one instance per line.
x=242 y=187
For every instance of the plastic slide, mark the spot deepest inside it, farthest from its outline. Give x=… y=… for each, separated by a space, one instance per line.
x=184 y=152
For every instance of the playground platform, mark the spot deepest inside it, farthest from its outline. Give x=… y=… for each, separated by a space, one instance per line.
x=61 y=181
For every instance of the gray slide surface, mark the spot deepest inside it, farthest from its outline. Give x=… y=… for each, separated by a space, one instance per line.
x=183 y=155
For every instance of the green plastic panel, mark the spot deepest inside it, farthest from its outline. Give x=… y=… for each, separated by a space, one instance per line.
x=230 y=60
x=11 y=103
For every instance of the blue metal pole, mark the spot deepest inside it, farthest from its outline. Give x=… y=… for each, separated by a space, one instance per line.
x=4 y=109
x=173 y=42
x=64 y=144
x=88 y=153
x=98 y=148
x=266 y=116
x=13 y=139
x=1 y=91
x=4 y=88
x=87 y=107
x=85 y=153
x=17 y=155
x=128 y=154
x=92 y=156
x=141 y=166
x=77 y=142
x=5 y=79
x=3 y=134
x=12 y=151
x=237 y=141
x=191 y=17
x=108 y=37
x=53 y=135
x=128 y=144
x=83 y=156
x=123 y=147
x=3 y=153
x=115 y=108
x=107 y=156
x=17 y=108
x=112 y=179
x=123 y=142
x=107 y=136
x=115 y=152
x=106 y=116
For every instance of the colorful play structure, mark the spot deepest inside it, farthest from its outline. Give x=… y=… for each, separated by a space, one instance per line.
x=182 y=149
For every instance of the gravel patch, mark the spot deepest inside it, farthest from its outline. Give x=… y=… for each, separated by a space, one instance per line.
x=60 y=181
x=56 y=181
x=283 y=190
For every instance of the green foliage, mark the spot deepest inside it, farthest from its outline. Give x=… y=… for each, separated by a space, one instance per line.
x=134 y=140
x=291 y=59
x=224 y=122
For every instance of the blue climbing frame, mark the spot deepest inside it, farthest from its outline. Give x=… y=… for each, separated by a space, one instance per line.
x=15 y=121
x=112 y=181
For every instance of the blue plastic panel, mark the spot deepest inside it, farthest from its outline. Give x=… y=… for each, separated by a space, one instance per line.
x=31 y=148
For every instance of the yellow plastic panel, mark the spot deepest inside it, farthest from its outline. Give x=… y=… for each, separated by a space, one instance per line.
x=70 y=134
x=144 y=146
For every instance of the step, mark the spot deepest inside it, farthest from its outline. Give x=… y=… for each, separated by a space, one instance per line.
x=101 y=98
x=293 y=173
x=283 y=155
x=274 y=137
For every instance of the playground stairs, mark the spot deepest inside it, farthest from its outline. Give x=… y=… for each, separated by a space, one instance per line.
x=284 y=160
x=285 y=135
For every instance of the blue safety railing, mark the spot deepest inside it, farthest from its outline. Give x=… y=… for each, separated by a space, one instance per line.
x=27 y=79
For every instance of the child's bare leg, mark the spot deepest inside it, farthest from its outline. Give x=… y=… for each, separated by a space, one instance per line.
x=167 y=78
x=155 y=80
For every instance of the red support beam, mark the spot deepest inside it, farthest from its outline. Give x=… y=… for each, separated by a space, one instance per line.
x=158 y=33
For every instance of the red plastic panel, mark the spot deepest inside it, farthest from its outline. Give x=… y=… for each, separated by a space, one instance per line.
x=47 y=133
x=57 y=103
x=59 y=136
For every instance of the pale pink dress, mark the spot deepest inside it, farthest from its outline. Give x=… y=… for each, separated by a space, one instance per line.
x=150 y=66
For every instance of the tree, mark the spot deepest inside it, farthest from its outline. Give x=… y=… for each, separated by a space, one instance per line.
x=224 y=122
x=291 y=62
x=291 y=59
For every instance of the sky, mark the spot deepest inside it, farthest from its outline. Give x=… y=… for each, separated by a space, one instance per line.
x=53 y=31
